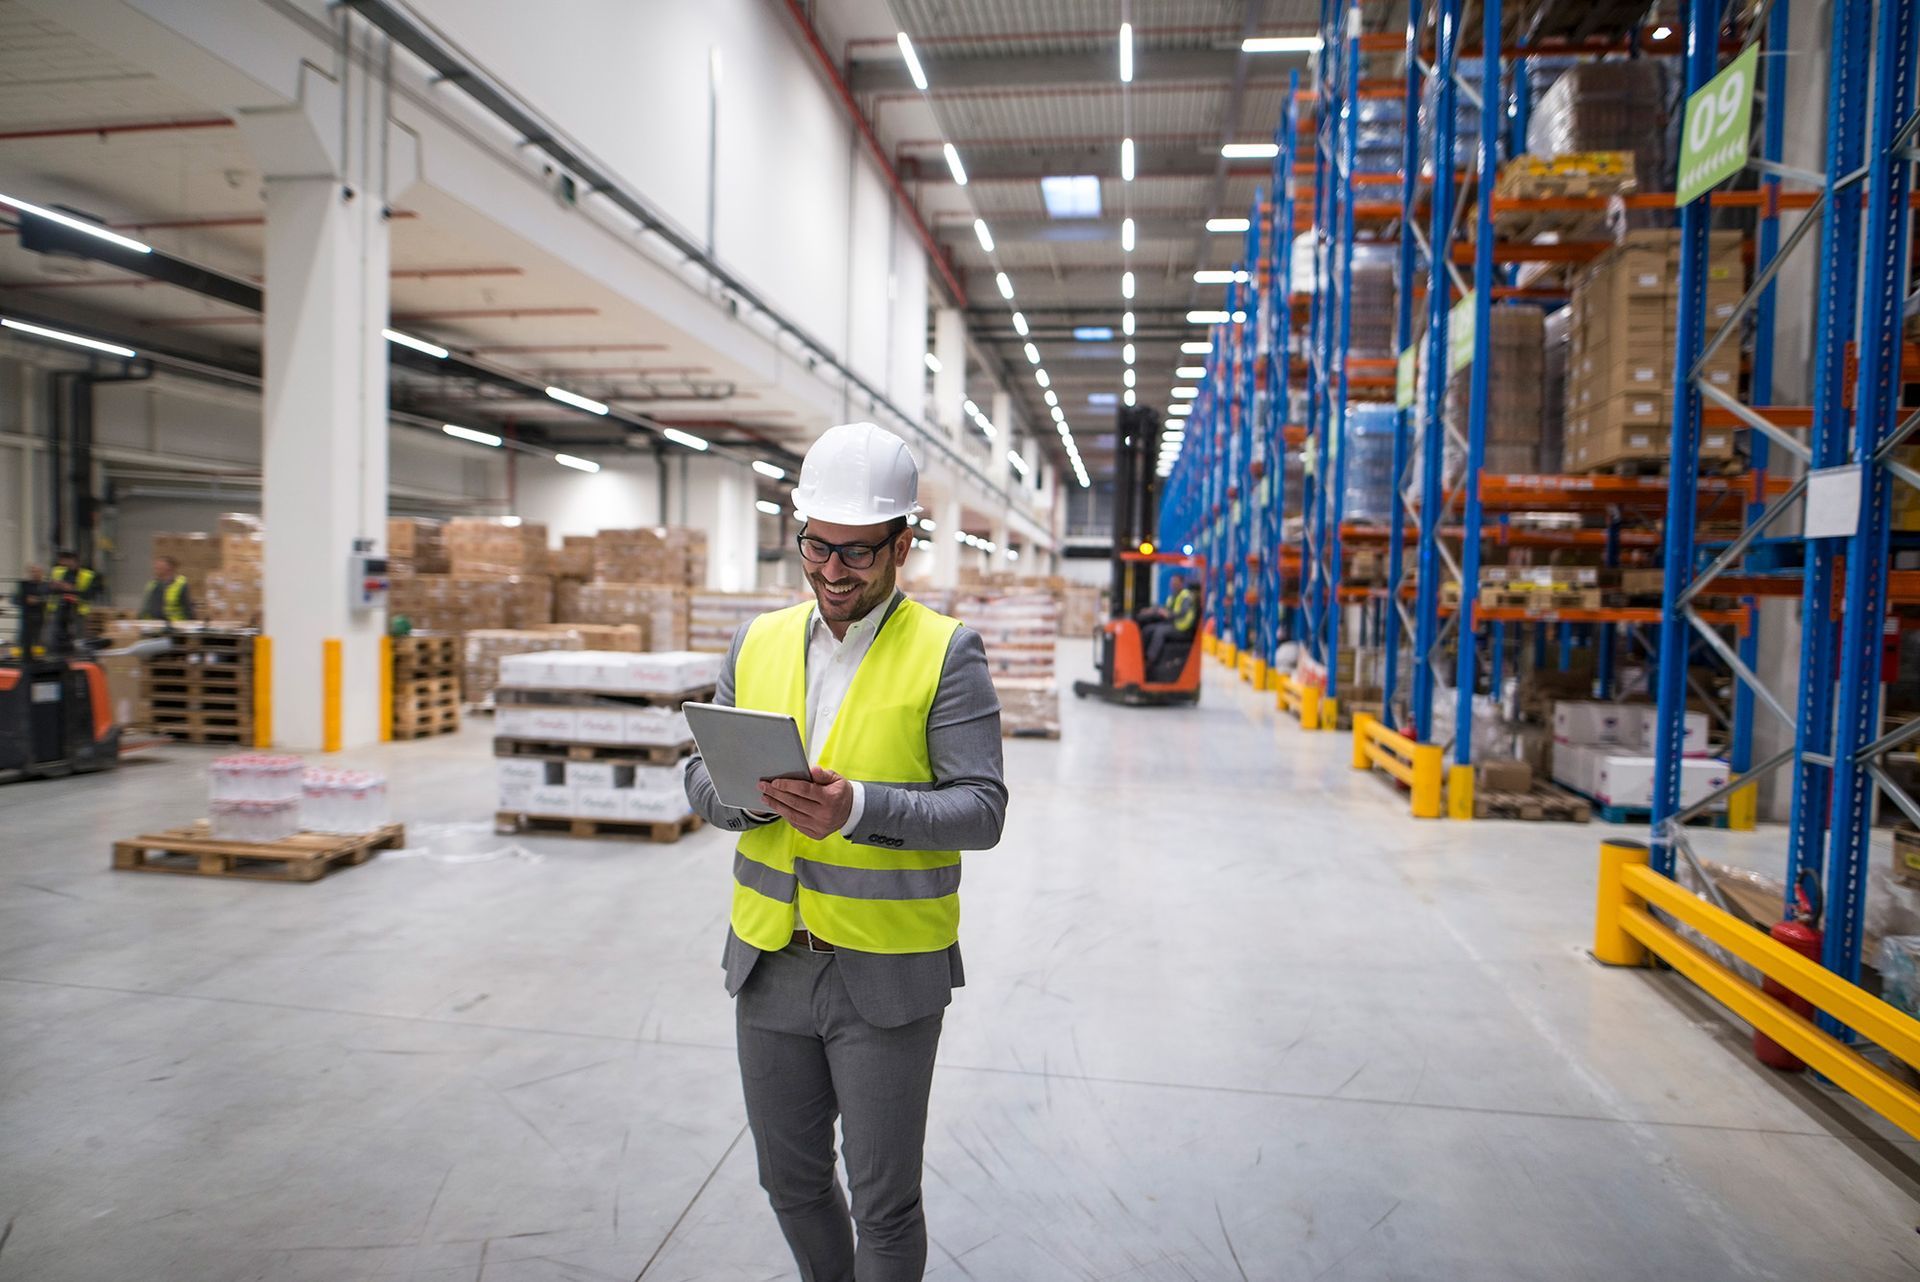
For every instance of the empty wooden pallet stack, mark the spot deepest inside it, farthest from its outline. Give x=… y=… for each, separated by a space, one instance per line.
x=201 y=690
x=426 y=685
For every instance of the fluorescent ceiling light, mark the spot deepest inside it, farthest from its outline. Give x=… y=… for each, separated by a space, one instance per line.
x=986 y=237
x=912 y=61
x=1662 y=31
x=1213 y=276
x=1101 y=398
x=958 y=170
x=933 y=363
x=986 y=427
x=1126 y=235
x=1013 y=554
x=1240 y=317
x=926 y=525
x=1207 y=318
x=576 y=400
x=1191 y=371
x=1196 y=349
x=687 y=439
x=1033 y=354
x=468 y=434
x=970 y=407
x=768 y=506
x=1280 y=44
x=1185 y=393
x=77 y=224
x=1126 y=324
x=417 y=344
x=1085 y=484
x=1129 y=397
x=1059 y=415
x=1016 y=462
x=1126 y=53
x=1250 y=150
x=1179 y=411
x=1019 y=322
x=1066 y=433
x=1227 y=224
x=1174 y=434
x=1006 y=288
x=61 y=336
x=1071 y=196
x=1052 y=397
x=769 y=471
x=578 y=464
x=1126 y=284
x=1126 y=353
x=961 y=536
x=1126 y=159
x=1127 y=377
x=1040 y=377
x=1093 y=333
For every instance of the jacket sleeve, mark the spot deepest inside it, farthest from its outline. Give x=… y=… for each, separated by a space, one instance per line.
x=701 y=794
x=966 y=805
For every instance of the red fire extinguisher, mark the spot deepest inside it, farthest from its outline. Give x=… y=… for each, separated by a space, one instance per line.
x=1800 y=932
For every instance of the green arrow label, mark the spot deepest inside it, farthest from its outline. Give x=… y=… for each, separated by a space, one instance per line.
x=1408 y=375
x=1460 y=334
x=1714 y=134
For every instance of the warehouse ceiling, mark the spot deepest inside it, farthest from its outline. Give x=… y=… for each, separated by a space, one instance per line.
x=1026 y=90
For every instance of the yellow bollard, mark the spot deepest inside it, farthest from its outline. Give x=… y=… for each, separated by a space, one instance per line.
x=1329 y=714
x=1259 y=677
x=1460 y=792
x=1283 y=692
x=1309 y=708
x=1206 y=643
x=330 y=695
x=1612 y=945
x=386 y=689
x=263 y=692
x=1427 y=770
x=1361 y=724
x=1743 y=808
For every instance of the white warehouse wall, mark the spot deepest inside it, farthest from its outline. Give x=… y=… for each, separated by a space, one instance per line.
x=623 y=494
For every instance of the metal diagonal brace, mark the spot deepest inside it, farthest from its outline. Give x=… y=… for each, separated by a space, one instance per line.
x=1740 y=669
x=1760 y=284
x=1732 y=786
x=1736 y=549
x=1895 y=793
x=1746 y=414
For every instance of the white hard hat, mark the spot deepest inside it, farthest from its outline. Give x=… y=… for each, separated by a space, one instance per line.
x=857 y=474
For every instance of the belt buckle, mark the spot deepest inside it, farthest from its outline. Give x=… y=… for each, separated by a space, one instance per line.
x=815 y=944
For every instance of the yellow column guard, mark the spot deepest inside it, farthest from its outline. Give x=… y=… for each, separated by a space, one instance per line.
x=263 y=692
x=1415 y=764
x=330 y=695
x=386 y=689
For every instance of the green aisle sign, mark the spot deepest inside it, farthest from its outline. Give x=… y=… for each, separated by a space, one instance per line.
x=1403 y=386
x=1460 y=334
x=1713 y=138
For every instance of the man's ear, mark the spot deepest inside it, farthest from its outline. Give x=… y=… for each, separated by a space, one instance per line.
x=902 y=544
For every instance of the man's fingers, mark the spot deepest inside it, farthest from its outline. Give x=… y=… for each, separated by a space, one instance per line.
x=821 y=775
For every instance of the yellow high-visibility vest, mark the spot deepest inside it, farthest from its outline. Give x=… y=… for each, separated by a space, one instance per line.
x=1186 y=609
x=174 y=603
x=82 y=581
x=866 y=898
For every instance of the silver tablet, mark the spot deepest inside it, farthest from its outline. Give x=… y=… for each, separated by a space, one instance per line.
x=742 y=746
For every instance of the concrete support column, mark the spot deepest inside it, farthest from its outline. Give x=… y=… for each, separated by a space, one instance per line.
x=324 y=428
x=946 y=514
x=1002 y=417
x=996 y=560
x=950 y=382
x=718 y=497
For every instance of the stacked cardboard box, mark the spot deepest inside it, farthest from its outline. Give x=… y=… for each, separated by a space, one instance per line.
x=1620 y=350
x=1516 y=379
x=483 y=648
x=448 y=603
x=196 y=555
x=529 y=600
x=416 y=543
x=1019 y=630
x=672 y=554
x=1080 y=612
x=573 y=559
x=1605 y=751
x=630 y=637
x=495 y=545
x=659 y=608
x=713 y=617
x=231 y=596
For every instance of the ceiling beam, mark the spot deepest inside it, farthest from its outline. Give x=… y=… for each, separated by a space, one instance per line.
x=953 y=73
x=1042 y=160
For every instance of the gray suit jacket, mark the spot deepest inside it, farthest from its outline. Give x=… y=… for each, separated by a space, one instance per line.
x=962 y=809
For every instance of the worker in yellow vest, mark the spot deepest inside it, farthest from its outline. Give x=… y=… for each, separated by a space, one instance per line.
x=843 y=948
x=86 y=583
x=168 y=596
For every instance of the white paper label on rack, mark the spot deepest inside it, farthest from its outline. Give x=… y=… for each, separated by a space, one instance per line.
x=1833 y=502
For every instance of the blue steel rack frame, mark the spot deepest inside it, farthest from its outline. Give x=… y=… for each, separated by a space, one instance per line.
x=1864 y=279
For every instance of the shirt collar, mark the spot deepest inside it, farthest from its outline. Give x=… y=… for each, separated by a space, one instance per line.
x=869 y=621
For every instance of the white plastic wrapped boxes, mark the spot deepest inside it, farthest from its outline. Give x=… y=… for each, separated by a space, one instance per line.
x=611 y=672
x=591 y=790
x=606 y=723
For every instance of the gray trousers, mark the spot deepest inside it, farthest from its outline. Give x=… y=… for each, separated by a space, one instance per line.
x=806 y=1056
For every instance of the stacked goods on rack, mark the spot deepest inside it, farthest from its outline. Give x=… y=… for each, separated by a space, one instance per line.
x=1020 y=630
x=1613 y=106
x=447 y=603
x=1516 y=376
x=426 y=685
x=1604 y=751
x=200 y=691
x=479 y=546
x=1369 y=463
x=660 y=609
x=1619 y=402
x=1553 y=390
x=483 y=648
x=656 y=554
x=573 y=559
x=594 y=743
x=602 y=636
x=1374 y=305
x=713 y=617
x=416 y=545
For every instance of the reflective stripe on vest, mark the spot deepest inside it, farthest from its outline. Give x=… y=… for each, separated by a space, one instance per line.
x=173 y=606
x=865 y=898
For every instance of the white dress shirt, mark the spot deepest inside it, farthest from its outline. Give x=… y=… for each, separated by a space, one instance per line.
x=831 y=664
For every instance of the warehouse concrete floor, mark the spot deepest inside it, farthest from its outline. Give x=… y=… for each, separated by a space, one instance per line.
x=1232 y=1015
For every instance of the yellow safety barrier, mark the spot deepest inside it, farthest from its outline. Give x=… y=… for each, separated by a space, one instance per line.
x=1743 y=808
x=1286 y=695
x=1229 y=654
x=1207 y=643
x=386 y=689
x=1625 y=932
x=1259 y=674
x=330 y=695
x=1246 y=665
x=1414 y=764
x=1460 y=792
x=1329 y=713
x=263 y=692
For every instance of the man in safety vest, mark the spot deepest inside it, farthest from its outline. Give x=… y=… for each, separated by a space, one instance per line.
x=86 y=583
x=168 y=596
x=843 y=952
x=1159 y=626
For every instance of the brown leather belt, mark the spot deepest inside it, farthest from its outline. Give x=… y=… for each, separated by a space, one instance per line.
x=813 y=943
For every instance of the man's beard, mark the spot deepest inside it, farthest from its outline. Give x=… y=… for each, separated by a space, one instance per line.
x=877 y=591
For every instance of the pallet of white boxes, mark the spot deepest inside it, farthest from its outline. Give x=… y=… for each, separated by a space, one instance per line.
x=1020 y=631
x=592 y=743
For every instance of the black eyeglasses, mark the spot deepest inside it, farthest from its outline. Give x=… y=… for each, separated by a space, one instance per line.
x=855 y=556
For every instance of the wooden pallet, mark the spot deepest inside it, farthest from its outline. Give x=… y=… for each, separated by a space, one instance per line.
x=306 y=856
x=1544 y=803
x=409 y=723
x=569 y=697
x=509 y=821
x=415 y=688
x=425 y=653
x=225 y=737
x=1643 y=814
x=619 y=754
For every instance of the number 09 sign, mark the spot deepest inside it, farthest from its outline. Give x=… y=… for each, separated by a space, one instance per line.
x=1714 y=133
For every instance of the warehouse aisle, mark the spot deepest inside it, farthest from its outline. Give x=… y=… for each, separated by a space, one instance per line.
x=1230 y=1016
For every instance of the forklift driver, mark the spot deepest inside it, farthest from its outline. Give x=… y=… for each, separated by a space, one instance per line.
x=1160 y=624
